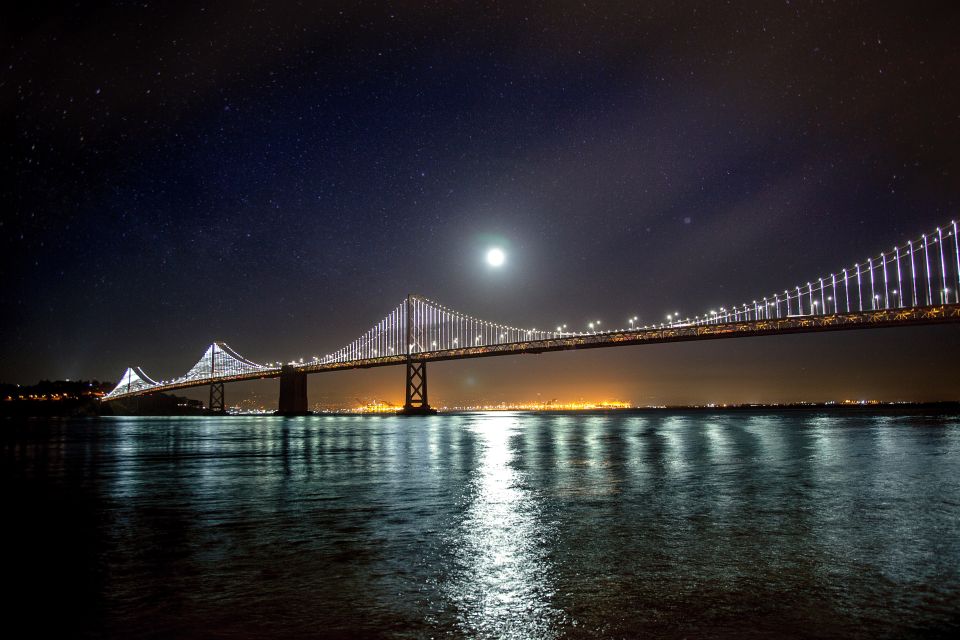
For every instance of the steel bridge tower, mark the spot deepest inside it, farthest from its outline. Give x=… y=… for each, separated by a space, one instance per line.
x=416 y=402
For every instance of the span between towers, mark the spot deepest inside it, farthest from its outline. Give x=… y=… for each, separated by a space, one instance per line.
x=915 y=283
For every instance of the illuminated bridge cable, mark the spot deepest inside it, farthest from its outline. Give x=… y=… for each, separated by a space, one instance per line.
x=133 y=380
x=933 y=279
x=419 y=326
x=217 y=362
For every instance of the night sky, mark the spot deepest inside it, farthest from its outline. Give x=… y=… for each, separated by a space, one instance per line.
x=280 y=175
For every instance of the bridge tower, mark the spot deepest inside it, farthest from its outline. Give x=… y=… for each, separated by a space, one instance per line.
x=416 y=395
x=416 y=402
x=293 y=392
x=216 y=389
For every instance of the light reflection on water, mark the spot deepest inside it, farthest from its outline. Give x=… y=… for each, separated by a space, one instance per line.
x=487 y=525
x=501 y=582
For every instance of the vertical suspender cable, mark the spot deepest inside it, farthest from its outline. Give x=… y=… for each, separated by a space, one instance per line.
x=943 y=267
x=913 y=273
x=846 y=289
x=886 y=288
x=859 y=288
x=836 y=303
x=956 y=254
x=899 y=278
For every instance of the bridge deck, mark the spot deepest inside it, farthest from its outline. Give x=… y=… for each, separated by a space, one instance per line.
x=937 y=314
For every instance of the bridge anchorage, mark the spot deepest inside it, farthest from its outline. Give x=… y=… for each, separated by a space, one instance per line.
x=915 y=283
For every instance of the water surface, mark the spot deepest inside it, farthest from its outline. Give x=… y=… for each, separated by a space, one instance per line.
x=487 y=525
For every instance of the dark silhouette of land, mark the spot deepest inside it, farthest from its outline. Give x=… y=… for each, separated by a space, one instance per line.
x=71 y=398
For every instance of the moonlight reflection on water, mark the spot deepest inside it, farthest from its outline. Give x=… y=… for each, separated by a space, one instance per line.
x=487 y=525
x=501 y=584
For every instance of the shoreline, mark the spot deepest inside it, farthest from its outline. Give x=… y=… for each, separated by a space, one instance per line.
x=893 y=408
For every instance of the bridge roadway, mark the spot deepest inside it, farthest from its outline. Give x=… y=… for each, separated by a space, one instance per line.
x=883 y=318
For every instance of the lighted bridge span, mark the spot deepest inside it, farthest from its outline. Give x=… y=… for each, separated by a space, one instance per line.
x=914 y=284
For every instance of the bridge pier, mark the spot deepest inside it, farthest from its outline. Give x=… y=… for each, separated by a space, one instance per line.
x=293 y=392
x=416 y=394
x=216 y=398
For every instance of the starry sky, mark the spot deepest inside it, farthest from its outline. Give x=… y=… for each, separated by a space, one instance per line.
x=279 y=175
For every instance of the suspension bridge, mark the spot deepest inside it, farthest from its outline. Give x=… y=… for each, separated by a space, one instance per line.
x=912 y=284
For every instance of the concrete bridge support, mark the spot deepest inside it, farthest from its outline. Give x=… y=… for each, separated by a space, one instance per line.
x=293 y=392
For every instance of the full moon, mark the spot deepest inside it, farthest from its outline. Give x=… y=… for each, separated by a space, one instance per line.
x=495 y=257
